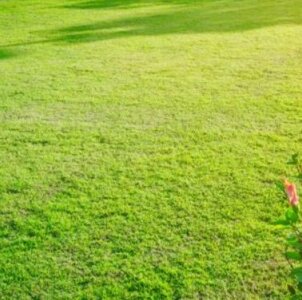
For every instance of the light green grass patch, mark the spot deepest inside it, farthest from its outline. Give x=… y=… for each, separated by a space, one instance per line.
x=140 y=144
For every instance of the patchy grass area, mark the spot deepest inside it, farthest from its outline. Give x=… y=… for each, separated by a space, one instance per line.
x=140 y=146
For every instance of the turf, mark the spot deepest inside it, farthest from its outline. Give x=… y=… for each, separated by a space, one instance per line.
x=140 y=144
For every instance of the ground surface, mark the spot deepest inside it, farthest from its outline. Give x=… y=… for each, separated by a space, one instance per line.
x=140 y=143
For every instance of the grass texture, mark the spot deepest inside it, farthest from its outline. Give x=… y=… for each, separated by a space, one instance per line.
x=140 y=144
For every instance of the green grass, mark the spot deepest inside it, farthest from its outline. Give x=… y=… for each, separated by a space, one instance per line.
x=140 y=144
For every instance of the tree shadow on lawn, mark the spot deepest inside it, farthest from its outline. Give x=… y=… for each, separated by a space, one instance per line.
x=5 y=54
x=206 y=17
x=101 y=4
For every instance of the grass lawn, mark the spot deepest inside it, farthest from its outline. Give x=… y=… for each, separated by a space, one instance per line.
x=140 y=144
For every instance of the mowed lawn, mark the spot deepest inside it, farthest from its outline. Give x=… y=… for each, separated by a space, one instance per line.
x=140 y=146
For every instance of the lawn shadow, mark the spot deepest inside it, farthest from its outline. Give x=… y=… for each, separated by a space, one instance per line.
x=101 y=4
x=6 y=54
x=199 y=17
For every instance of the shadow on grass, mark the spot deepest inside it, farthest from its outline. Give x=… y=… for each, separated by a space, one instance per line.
x=6 y=54
x=200 y=16
x=98 y=4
